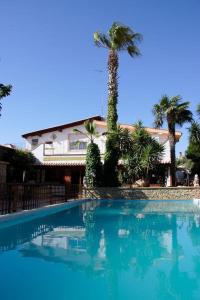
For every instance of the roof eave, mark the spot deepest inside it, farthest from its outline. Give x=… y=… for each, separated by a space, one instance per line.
x=60 y=127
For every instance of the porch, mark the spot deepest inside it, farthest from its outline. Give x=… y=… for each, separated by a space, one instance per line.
x=61 y=174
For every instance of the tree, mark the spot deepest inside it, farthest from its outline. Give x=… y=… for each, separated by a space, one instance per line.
x=124 y=141
x=93 y=168
x=185 y=163
x=143 y=156
x=5 y=91
x=121 y=141
x=193 y=150
x=198 y=110
x=119 y=38
x=174 y=112
x=21 y=161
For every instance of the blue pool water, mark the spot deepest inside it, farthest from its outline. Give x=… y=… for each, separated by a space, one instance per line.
x=103 y=250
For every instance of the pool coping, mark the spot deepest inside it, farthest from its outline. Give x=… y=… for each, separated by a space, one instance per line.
x=28 y=215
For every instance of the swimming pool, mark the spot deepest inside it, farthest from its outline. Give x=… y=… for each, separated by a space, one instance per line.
x=117 y=250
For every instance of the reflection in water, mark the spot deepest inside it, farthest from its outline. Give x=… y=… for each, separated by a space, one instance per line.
x=122 y=243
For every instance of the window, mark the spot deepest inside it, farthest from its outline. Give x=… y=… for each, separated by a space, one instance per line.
x=34 y=142
x=78 y=145
x=48 y=145
x=73 y=146
x=82 y=145
x=48 y=148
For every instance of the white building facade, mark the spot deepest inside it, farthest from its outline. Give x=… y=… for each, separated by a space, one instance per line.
x=61 y=152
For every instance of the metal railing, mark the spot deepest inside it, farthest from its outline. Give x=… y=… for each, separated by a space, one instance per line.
x=17 y=197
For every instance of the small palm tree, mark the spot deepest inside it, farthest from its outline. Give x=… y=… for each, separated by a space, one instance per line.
x=142 y=157
x=119 y=38
x=91 y=131
x=174 y=112
x=5 y=91
x=93 y=168
x=123 y=139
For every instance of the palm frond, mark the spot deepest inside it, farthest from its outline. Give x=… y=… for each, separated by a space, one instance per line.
x=91 y=130
x=75 y=130
x=138 y=125
x=175 y=100
x=101 y=40
x=5 y=90
x=165 y=102
x=183 y=114
x=194 y=132
x=198 y=110
x=133 y=51
x=183 y=105
x=159 y=115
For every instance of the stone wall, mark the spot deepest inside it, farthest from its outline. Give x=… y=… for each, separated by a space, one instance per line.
x=170 y=193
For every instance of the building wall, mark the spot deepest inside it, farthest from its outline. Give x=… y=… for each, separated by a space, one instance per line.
x=61 y=143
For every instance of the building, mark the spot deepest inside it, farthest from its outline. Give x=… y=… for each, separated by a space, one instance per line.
x=61 y=152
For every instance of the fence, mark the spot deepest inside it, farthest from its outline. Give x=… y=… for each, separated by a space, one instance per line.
x=17 y=197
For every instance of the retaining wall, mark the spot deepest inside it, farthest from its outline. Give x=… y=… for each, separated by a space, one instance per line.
x=170 y=193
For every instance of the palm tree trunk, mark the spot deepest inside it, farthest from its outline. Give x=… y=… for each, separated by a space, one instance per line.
x=172 y=143
x=111 y=155
x=112 y=116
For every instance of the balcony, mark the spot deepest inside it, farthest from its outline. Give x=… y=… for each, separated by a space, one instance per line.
x=75 y=148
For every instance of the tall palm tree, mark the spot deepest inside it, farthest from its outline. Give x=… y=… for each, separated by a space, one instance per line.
x=5 y=91
x=93 y=168
x=119 y=38
x=174 y=112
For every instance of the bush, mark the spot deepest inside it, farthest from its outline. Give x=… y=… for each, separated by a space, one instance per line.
x=93 y=170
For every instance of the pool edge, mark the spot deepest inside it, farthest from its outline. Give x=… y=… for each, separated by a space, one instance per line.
x=28 y=215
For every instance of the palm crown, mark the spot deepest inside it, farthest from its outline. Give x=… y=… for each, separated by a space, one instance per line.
x=198 y=110
x=91 y=130
x=172 y=110
x=120 y=37
x=5 y=91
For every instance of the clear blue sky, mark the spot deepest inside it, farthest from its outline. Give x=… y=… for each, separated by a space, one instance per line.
x=58 y=75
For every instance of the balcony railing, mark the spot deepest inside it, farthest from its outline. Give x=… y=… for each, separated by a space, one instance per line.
x=61 y=152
